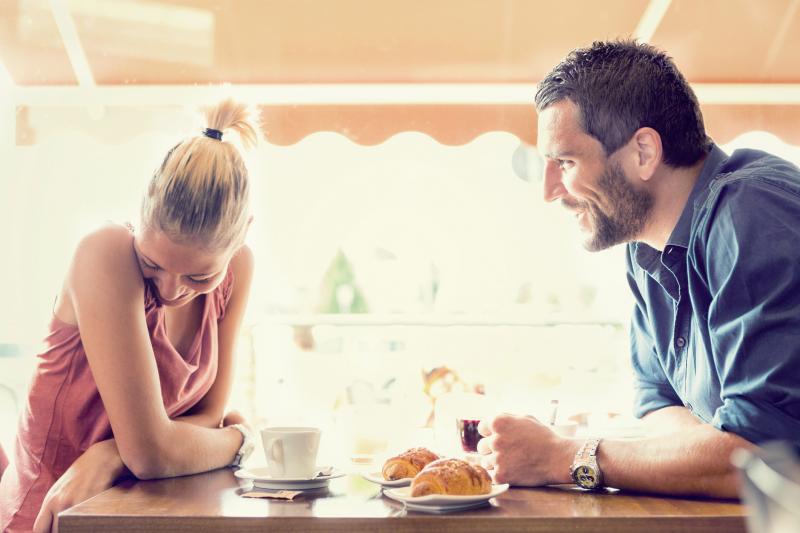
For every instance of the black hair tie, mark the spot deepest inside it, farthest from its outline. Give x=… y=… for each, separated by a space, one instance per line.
x=213 y=134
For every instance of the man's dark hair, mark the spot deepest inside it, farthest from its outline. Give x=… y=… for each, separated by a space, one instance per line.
x=621 y=86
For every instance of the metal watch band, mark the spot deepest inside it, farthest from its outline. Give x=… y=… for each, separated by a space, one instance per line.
x=590 y=448
x=587 y=457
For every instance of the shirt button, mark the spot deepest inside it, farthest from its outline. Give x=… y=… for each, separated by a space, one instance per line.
x=680 y=342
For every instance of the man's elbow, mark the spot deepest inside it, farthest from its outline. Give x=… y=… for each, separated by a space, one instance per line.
x=726 y=486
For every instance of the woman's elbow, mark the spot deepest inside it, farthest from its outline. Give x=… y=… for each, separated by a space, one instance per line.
x=145 y=462
x=143 y=467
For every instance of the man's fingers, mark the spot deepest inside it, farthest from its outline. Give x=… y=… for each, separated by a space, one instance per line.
x=489 y=461
x=483 y=427
x=485 y=445
x=502 y=422
x=501 y=475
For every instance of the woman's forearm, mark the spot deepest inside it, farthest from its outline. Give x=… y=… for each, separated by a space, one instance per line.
x=106 y=451
x=186 y=448
x=195 y=444
x=205 y=420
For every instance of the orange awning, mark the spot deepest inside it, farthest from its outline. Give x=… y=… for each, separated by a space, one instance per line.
x=459 y=124
x=263 y=42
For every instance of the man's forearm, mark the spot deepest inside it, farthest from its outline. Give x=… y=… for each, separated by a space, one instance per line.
x=669 y=420
x=692 y=461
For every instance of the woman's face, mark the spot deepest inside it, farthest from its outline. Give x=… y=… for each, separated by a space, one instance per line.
x=178 y=272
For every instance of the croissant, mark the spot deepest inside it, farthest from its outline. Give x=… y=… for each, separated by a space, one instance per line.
x=408 y=463
x=453 y=477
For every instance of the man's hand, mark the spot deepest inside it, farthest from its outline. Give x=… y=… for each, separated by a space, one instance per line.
x=92 y=473
x=523 y=451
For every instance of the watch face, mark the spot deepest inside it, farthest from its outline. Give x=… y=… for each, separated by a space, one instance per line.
x=586 y=477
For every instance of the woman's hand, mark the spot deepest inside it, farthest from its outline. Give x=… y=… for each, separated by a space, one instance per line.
x=234 y=417
x=92 y=473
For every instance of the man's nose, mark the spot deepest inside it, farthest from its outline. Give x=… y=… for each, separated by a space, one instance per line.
x=553 y=186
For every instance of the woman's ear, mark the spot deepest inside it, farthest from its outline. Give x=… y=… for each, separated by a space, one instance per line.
x=648 y=151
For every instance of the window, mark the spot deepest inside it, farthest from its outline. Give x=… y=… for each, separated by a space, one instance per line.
x=376 y=265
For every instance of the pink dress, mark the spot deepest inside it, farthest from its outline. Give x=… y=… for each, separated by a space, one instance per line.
x=64 y=414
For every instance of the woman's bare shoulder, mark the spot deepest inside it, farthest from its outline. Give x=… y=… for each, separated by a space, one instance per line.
x=106 y=256
x=108 y=237
x=242 y=262
x=103 y=264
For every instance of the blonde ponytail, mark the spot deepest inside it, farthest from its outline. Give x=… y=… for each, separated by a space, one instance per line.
x=229 y=115
x=200 y=194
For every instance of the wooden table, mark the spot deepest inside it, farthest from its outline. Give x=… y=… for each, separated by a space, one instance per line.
x=212 y=502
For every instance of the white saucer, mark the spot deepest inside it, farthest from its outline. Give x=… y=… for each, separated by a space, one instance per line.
x=377 y=477
x=262 y=480
x=442 y=503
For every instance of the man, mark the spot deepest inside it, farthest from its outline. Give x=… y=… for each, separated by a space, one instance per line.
x=713 y=261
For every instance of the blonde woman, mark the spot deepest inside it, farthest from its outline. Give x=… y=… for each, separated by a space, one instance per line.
x=138 y=363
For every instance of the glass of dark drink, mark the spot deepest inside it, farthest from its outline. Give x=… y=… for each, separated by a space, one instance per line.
x=468 y=432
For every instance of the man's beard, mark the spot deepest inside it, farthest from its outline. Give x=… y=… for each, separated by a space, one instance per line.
x=627 y=211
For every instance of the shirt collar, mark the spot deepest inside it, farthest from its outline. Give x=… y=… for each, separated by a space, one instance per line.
x=680 y=235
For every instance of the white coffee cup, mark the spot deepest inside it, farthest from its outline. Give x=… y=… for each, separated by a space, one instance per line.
x=291 y=452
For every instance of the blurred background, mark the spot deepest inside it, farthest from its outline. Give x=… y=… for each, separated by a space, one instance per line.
x=406 y=261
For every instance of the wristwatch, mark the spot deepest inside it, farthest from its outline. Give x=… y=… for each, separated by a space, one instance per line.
x=247 y=447
x=585 y=471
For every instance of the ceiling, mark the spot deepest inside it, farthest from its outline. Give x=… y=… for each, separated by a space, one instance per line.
x=64 y=46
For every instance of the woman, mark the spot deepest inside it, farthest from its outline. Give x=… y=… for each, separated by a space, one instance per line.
x=139 y=358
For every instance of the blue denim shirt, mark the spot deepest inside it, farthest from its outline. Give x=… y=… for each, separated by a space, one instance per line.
x=716 y=325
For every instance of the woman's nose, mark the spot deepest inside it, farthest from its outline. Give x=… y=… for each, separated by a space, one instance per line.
x=169 y=287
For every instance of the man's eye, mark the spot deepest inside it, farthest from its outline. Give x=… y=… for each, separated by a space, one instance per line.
x=564 y=164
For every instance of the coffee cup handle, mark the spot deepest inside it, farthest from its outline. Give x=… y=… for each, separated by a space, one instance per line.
x=274 y=450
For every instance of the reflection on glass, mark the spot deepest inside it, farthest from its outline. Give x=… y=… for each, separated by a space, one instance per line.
x=468 y=433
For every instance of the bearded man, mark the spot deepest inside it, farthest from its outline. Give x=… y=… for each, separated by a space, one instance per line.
x=713 y=260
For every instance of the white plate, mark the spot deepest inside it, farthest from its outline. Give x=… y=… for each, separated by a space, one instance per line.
x=443 y=502
x=377 y=477
x=262 y=480
x=438 y=509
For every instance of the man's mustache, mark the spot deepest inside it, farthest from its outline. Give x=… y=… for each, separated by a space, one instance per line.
x=574 y=205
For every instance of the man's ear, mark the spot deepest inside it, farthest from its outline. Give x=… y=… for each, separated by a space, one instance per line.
x=647 y=152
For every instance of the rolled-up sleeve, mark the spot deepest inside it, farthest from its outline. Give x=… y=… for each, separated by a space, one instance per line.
x=754 y=318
